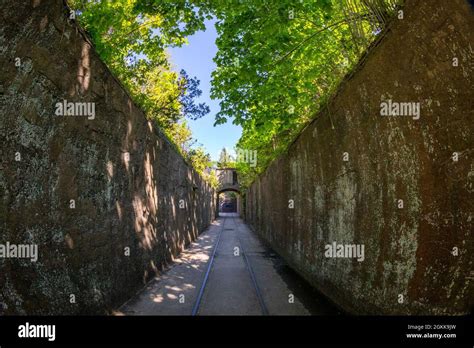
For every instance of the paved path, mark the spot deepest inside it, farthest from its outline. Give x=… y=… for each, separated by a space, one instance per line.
x=245 y=278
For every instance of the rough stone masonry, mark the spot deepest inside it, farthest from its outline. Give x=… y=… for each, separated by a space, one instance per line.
x=399 y=183
x=98 y=190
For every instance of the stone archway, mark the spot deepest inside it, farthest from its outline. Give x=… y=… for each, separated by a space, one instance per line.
x=228 y=182
x=238 y=202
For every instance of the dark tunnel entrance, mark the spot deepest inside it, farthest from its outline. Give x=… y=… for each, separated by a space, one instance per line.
x=228 y=201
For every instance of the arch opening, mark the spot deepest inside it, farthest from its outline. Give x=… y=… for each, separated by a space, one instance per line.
x=228 y=201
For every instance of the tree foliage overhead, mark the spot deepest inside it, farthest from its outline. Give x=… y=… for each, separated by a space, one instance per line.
x=278 y=61
x=226 y=160
x=126 y=31
x=131 y=36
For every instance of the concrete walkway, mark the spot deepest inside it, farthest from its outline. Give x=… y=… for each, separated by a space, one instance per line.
x=245 y=278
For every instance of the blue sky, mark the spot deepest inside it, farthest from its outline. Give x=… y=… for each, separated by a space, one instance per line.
x=196 y=59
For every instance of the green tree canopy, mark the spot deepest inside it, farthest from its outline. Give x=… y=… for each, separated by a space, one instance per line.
x=277 y=61
x=131 y=36
x=225 y=159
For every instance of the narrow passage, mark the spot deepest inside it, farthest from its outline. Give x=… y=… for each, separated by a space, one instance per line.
x=228 y=270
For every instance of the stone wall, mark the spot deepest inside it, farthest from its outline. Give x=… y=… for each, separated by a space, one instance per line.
x=100 y=197
x=389 y=183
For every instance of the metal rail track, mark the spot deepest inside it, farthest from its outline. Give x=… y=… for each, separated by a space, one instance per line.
x=247 y=265
x=251 y=272
x=206 y=276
